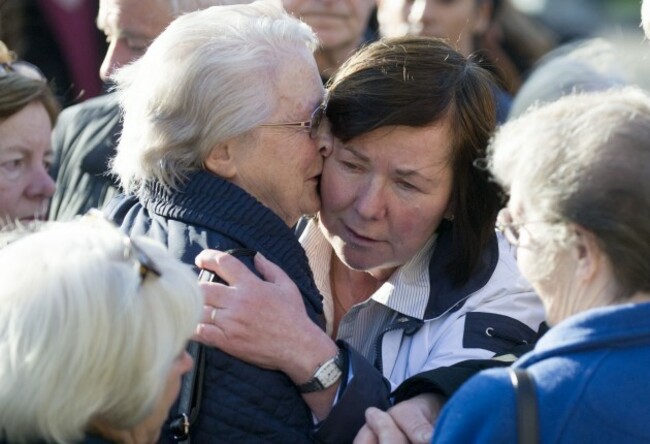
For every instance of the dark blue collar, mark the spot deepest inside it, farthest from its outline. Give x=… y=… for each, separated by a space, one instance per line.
x=445 y=295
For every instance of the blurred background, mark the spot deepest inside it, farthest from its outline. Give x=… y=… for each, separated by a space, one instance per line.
x=61 y=37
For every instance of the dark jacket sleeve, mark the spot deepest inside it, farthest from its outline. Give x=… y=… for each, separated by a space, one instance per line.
x=367 y=388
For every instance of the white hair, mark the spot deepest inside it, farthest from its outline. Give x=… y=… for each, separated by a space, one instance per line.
x=82 y=336
x=210 y=76
x=585 y=159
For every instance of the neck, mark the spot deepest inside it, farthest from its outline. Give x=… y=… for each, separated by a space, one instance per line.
x=349 y=287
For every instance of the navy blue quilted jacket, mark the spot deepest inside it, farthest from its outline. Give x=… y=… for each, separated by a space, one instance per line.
x=241 y=403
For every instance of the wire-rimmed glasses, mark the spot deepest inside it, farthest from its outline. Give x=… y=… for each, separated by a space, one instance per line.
x=312 y=124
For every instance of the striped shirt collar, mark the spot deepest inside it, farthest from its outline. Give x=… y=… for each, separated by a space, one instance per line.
x=406 y=291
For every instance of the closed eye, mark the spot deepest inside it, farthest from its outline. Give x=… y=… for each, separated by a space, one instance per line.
x=351 y=166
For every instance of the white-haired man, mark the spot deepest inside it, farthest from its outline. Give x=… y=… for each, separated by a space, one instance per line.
x=85 y=136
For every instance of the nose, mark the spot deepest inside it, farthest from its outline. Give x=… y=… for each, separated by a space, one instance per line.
x=324 y=138
x=42 y=185
x=117 y=54
x=370 y=201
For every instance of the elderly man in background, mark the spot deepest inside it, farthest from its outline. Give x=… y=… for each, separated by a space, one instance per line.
x=85 y=136
x=219 y=150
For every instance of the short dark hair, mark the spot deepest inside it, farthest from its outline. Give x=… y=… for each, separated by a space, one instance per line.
x=417 y=82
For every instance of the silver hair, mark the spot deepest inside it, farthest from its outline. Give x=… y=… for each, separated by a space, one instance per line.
x=82 y=336
x=585 y=159
x=209 y=77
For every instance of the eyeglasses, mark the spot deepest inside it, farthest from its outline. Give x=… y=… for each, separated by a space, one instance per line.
x=512 y=230
x=24 y=69
x=312 y=124
x=146 y=265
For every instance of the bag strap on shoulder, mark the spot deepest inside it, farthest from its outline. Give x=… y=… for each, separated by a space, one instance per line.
x=527 y=415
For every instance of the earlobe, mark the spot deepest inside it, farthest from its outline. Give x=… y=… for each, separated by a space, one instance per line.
x=220 y=161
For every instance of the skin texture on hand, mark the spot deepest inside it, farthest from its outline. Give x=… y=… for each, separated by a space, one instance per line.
x=263 y=322
x=408 y=421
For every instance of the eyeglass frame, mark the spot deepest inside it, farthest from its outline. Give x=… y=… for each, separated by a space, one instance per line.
x=312 y=124
x=146 y=264
x=512 y=230
x=25 y=69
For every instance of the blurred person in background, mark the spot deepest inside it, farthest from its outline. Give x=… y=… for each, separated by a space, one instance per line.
x=85 y=137
x=28 y=110
x=582 y=66
x=472 y=26
x=93 y=343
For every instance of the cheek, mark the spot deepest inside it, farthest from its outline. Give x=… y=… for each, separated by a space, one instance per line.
x=335 y=191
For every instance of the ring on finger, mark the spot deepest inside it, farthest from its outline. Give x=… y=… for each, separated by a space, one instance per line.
x=213 y=314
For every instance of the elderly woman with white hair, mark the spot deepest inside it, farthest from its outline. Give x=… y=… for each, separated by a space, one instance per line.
x=579 y=212
x=219 y=151
x=93 y=329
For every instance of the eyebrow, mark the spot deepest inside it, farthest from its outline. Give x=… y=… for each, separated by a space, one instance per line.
x=401 y=172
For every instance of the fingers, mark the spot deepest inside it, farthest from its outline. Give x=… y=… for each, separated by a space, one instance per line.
x=227 y=267
x=210 y=335
x=269 y=271
x=416 y=416
x=365 y=436
x=384 y=428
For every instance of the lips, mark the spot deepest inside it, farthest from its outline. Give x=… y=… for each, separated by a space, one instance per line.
x=357 y=237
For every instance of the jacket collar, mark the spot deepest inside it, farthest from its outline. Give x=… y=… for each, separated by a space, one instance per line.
x=445 y=295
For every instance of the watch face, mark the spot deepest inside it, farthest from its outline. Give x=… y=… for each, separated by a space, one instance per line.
x=326 y=375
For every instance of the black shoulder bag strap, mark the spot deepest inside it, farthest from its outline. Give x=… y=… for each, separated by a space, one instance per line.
x=189 y=400
x=527 y=416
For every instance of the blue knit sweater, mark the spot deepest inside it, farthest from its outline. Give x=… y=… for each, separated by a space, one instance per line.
x=241 y=403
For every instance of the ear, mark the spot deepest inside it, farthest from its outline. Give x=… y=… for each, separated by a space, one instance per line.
x=588 y=256
x=483 y=16
x=221 y=162
x=324 y=138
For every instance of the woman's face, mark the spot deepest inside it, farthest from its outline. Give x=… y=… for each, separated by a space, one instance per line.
x=552 y=274
x=282 y=166
x=25 y=157
x=384 y=194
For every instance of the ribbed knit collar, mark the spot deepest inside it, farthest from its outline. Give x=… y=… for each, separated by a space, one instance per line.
x=210 y=201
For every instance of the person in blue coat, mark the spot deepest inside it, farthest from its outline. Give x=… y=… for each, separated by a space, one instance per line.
x=577 y=171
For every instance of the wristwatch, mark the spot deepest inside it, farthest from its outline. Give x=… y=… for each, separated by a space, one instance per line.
x=325 y=375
